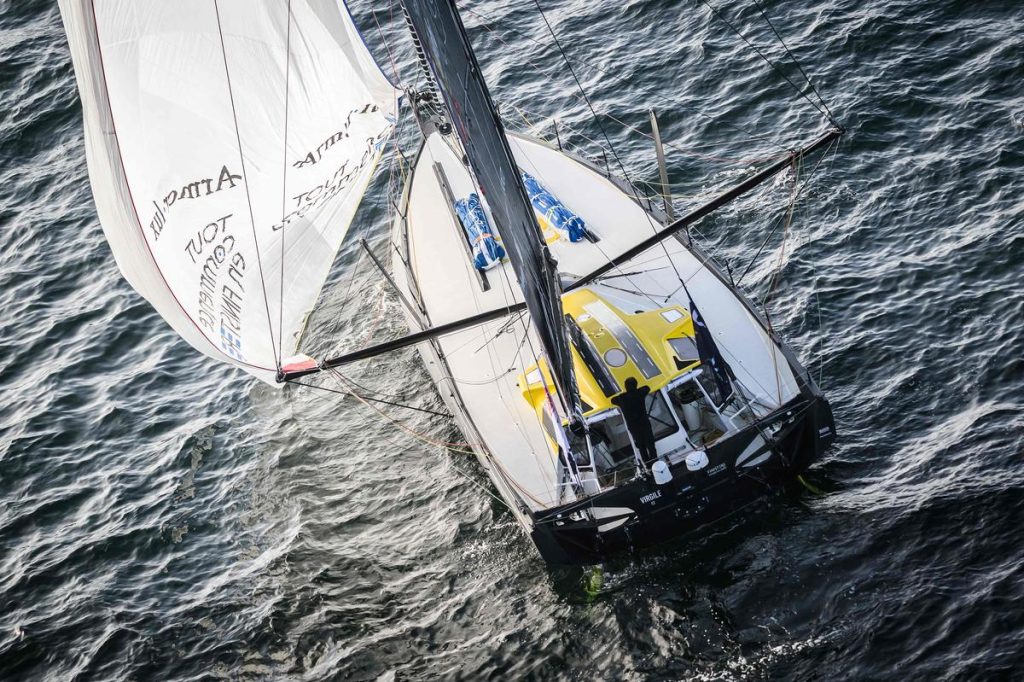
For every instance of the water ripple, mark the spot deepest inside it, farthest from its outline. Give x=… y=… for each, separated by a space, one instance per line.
x=161 y=517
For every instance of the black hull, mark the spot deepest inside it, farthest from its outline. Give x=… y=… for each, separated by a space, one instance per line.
x=653 y=513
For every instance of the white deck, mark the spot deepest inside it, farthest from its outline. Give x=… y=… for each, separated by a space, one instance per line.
x=484 y=367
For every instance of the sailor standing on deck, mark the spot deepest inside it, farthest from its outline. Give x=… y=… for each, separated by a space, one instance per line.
x=633 y=404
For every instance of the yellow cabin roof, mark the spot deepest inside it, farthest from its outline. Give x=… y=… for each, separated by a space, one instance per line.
x=610 y=345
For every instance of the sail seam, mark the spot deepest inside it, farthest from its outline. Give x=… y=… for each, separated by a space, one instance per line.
x=135 y=210
x=245 y=177
x=284 y=185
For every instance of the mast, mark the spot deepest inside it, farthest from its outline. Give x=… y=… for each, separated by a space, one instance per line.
x=447 y=49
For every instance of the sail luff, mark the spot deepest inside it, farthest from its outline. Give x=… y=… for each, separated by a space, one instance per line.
x=190 y=159
x=440 y=32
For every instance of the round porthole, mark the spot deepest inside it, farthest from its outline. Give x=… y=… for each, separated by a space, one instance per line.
x=615 y=357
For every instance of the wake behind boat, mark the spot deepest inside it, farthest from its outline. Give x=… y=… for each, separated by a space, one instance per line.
x=615 y=384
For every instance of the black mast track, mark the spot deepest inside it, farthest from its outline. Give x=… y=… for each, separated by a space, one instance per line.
x=476 y=124
x=668 y=231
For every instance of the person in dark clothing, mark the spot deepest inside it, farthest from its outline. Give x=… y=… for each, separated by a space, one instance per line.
x=633 y=404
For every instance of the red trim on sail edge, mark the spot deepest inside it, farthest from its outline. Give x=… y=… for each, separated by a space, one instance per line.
x=300 y=364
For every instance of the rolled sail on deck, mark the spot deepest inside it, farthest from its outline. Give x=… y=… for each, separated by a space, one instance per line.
x=229 y=145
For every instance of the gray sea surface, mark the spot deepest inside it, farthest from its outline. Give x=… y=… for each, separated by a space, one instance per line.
x=164 y=517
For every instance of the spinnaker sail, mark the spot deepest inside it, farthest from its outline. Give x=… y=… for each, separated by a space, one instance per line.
x=229 y=143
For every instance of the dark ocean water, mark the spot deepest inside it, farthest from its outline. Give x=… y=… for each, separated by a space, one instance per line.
x=163 y=517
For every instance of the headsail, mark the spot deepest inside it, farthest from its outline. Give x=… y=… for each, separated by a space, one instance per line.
x=229 y=144
x=450 y=55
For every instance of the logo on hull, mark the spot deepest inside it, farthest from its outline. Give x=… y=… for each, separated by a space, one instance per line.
x=716 y=469
x=650 y=497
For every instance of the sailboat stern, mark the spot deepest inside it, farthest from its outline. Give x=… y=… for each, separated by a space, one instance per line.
x=739 y=474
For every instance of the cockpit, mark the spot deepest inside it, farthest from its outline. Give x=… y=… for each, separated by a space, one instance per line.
x=685 y=415
x=685 y=410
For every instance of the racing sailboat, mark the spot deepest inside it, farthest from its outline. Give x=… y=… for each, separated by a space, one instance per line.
x=229 y=145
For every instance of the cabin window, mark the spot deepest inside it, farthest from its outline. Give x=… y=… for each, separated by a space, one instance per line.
x=699 y=417
x=615 y=357
x=685 y=350
x=610 y=442
x=662 y=422
x=671 y=315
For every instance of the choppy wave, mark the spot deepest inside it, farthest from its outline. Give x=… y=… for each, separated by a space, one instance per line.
x=164 y=518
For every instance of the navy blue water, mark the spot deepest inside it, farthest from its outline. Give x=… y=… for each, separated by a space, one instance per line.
x=163 y=517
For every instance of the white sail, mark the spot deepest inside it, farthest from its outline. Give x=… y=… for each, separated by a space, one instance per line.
x=229 y=144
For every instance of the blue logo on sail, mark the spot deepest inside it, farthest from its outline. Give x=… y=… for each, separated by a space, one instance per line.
x=487 y=252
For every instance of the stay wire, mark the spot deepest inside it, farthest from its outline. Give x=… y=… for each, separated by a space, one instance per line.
x=796 y=62
x=770 y=63
x=803 y=186
x=639 y=86
x=376 y=400
x=686 y=152
x=284 y=185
